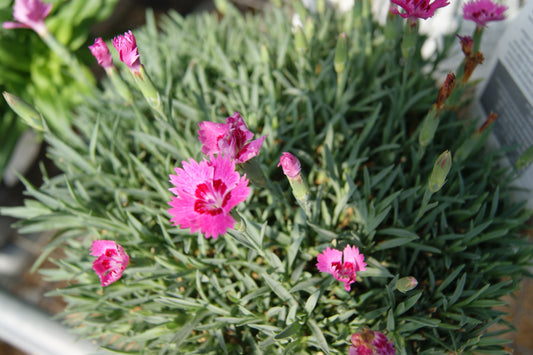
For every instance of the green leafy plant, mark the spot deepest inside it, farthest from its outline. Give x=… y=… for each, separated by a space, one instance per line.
x=353 y=119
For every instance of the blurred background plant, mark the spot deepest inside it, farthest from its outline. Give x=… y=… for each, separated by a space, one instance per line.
x=34 y=72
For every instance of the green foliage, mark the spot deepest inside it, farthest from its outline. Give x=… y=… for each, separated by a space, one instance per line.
x=256 y=289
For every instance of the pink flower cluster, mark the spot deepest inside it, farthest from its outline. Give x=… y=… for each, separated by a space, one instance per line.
x=370 y=342
x=206 y=192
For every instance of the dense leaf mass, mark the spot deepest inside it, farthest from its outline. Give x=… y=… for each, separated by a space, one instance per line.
x=256 y=289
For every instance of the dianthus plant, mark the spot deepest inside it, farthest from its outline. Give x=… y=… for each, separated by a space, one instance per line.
x=280 y=190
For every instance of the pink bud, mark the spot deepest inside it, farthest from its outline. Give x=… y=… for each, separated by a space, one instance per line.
x=290 y=165
x=100 y=51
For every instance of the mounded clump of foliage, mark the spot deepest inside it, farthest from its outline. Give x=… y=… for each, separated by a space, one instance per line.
x=354 y=124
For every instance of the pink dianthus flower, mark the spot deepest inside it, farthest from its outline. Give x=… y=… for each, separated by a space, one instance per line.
x=415 y=9
x=29 y=14
x=100 y=51
x=483 y=11
x=342 y=265
x=370 y=342
x=233 y=139
x=128 y=52
x=205 y=194
x=111 y=262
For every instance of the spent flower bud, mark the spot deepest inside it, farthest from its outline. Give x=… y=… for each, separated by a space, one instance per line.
x=28 y=113
x=440 y=172
x=491 y=118
x=446 y=90
x=467 y=43
x=471 y=63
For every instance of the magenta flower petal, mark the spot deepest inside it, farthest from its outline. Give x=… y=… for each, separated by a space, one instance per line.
x=128 y=52
x=483 y=11
x=327 y=259
x=290 y=164
x=206 y=192
x=342 y=265
x=232 y=139
x=417 y=9
x=100 y=51
x=209 y=134
x=250 y=150
x=29 y=14
x=111 y=262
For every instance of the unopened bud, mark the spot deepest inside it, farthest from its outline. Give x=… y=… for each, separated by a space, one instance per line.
x=300 y=43
x=291 y=166
x=28 y=113
x=429 y=127
x=341 y=53
x=264 y=54
x=446 y=90
x=525 y=158
x=440 y=172
x=406 y=284
x=309 y=28
x=292 y=169
x=321 y=6
x=221 y=6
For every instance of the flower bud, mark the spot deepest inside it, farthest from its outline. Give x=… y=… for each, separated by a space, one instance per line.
x=292 y=169
x=29 y=115
x=525 y=158
x=300 y=43
x=440 y=172
x=341 y=53
x=291 y=165
x=406 y=284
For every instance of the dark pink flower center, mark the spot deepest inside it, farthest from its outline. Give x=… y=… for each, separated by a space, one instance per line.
x=344 y=271
x=211 y=198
